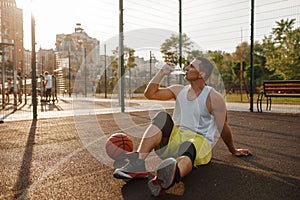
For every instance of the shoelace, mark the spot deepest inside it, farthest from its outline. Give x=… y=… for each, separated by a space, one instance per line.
x=131 y=167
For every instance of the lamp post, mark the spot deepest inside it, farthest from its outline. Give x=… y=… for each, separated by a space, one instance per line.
x=33 y=67
x=3 y=76
x=69 y=57
x=180 y=39
x=15 y=76
x=150 y=65
x=84 y=57
x=252 y=57
x=152 y=58
x=121 y=57
x=105 y=73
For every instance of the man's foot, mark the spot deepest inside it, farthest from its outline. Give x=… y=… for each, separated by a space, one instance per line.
x=134 y=169
x=165 y=177
x=119 y=163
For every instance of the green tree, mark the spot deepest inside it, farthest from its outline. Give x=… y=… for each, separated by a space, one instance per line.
x=222 y=72
x=195 y=53
x=225 y=69
x=129 y=58
x=170 y=49
x=129 y=62
x=261 y=73
x=282 y=50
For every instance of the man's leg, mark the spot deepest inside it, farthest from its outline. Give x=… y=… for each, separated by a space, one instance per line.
x=151 y=139
x=172 y=170
x=156 y=135
x=135 y=167
x=48 y=92
x=187 y=155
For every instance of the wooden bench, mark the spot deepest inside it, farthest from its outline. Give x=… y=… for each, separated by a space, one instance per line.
x=277 y=88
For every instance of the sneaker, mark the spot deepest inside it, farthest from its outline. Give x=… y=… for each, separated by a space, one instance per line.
x=119 y=163
x=134 y=169
x=165 y=177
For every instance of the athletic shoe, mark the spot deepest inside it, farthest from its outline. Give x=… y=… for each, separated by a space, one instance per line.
x=165 y=177
x=134 y=169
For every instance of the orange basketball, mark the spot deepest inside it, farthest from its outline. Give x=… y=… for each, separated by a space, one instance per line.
x=117 y=145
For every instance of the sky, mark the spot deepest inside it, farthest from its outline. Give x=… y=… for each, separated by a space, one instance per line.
x=212 y=24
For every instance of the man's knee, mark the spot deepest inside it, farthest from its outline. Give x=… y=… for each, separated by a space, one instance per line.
x=187 y=149
x=164 y=122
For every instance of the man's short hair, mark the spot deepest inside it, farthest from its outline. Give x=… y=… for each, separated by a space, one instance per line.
x=46 y=72
x=206 y=66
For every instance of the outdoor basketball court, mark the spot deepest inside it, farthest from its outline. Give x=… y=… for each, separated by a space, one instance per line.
x=46 y=159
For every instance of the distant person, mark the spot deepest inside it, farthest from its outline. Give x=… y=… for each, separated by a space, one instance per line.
x=48 y=85
x=94 y=87
x=185 y=140
x=10 y=85
x=10 y=89
x=20 y=84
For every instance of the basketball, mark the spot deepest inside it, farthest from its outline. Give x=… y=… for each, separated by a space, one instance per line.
x=117 y=145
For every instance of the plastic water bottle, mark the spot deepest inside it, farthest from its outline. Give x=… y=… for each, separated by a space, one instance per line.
x=176 y=69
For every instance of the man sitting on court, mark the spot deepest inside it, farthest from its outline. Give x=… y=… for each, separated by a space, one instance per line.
x=186 y=139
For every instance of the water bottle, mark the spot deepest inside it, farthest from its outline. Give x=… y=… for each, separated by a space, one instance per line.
x=176 y=69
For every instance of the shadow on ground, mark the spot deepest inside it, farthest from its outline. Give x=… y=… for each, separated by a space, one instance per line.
x=218 y=180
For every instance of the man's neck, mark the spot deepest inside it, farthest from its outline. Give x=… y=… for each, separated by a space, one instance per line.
x=197 y=86
x=195 y=89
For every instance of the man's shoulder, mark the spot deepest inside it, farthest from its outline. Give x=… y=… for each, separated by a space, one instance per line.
x=179 y=86
x=217 y=99
x=176 y=88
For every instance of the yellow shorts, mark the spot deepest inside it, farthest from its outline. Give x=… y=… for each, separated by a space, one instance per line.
x=179 y=136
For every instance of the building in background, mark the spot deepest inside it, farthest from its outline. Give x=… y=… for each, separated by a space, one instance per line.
x=46 y=61
x=11 y=35
x=77 y=55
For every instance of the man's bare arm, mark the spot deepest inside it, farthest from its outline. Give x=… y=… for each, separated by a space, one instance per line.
x=155 y=92
x=218 y=108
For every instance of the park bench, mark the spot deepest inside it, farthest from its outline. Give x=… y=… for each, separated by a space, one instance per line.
x=277 y=88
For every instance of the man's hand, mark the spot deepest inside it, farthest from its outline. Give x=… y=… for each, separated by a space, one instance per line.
x=242 y=152
x=168 y=68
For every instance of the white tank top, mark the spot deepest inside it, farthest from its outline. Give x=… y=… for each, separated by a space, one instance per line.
x=194 y=115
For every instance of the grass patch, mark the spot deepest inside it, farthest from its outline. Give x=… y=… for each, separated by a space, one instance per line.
x=246 y=99
x=236 y=98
